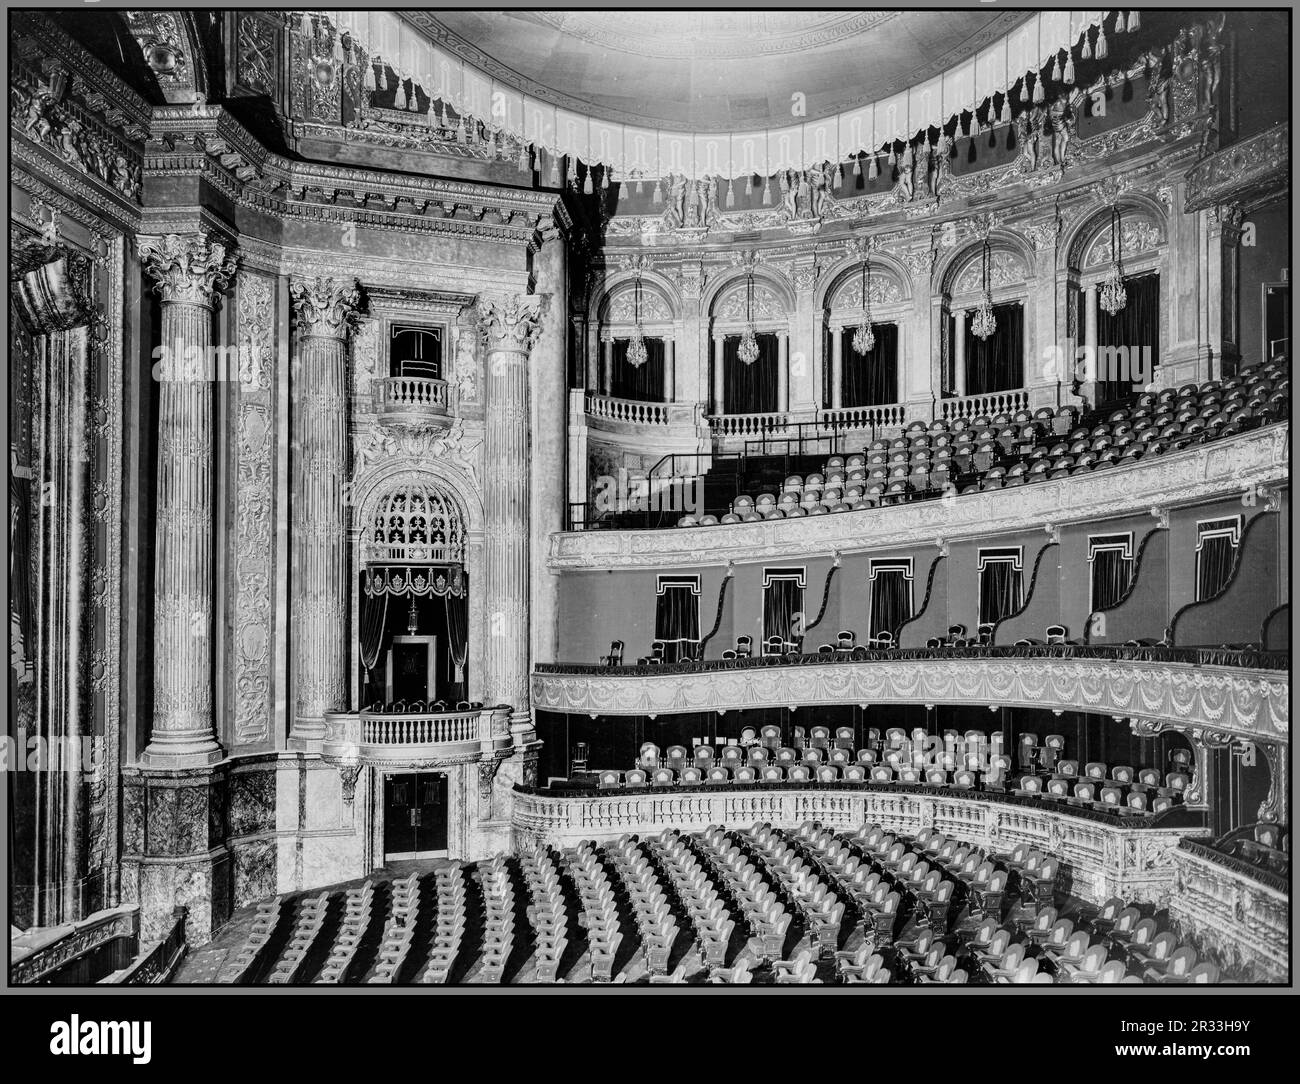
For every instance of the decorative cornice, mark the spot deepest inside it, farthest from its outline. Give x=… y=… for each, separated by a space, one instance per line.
x=1224 y=466
x=1252 y=704
x=189 y=270
x=322 y=306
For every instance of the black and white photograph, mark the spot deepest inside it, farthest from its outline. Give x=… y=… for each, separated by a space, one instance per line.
x=411 y=412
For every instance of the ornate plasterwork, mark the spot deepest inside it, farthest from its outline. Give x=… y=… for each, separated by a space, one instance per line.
x=189 y=270
x=1247 y=703
x=1006 y=269
x=1138 y=237
x=623 y=307
x=1259 y=165
x=732 y=306
x=1243 y=923
x=510 y=322
x=254 y=527
x=377 y=445
x=882 y=291
x=1225 y=466
x=324 y=305
x=164 y=43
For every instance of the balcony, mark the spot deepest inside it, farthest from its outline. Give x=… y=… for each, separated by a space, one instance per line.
x=378 y=737
x=412 y=395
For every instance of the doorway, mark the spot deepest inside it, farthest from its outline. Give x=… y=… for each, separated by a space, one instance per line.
x=415 y=815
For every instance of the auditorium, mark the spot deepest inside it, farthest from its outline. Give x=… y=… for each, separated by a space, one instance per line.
x=405 y=410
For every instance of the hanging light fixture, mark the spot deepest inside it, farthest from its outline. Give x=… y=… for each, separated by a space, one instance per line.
x=748 y=351
x=1113 y=296
x=636 y=350
x=864 y=338
x=985 y=323
x=412 y=618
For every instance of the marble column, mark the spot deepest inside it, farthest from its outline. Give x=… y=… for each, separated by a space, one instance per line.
x=719 y=392
x=325 y=310
x=837 y=367
x=512 y=324
x=607 y=364
x=189 y=272
x=547 y=491
x=959 y=353
x=1223 y=250
x=783 y=373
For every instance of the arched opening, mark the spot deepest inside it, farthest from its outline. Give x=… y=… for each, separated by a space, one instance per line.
x=413 y=590
x=986 y=322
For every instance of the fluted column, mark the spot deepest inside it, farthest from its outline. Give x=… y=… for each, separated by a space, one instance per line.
x=325 y=310
x=188 y=272
x=512 y=323
x=607 y=363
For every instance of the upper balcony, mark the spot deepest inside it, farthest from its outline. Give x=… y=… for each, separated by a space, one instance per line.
x=378 y=737
x=413 y=397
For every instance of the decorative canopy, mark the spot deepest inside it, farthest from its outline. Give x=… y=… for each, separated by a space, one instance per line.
x=1045 y=38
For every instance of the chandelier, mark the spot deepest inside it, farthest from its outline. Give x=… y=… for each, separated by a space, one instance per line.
x=636 y=350
x=985 y=323
x=1113 y=295
x=864 y=338
x=748 y=352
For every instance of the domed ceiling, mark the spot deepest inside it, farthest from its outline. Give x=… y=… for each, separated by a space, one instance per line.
x=715 y=70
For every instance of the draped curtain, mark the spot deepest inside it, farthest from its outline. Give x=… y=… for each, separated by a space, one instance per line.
x=457 y=642
x=1000 y=591
x=677 y=621
x=871 y=379
x=374 y=623
x=782 y=600
x=997 y=363
x=891 y=602
x=1111 y=572
x=1136 y=326
x=1214 y=565
x=643 y=383
x=750 y=389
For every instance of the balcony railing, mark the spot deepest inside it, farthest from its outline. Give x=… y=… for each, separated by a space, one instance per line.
x=873 y=418
x=768 y=424
x=974 y=406
x=449 y=728
x=412 y=395
x=635 y=412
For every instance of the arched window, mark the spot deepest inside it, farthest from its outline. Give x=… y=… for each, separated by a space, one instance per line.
x=416 y=525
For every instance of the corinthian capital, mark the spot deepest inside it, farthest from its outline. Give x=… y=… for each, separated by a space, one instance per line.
x=189 y=269
x=511 y=322
x=325 y=306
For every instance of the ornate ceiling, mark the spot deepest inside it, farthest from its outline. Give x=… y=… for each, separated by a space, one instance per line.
x=713 y=71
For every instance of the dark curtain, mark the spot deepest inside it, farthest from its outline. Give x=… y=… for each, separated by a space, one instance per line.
x=1111 y=572
x=871 y=379
x=1136 y=326
x=999 y=591
x=374 y=619
x=1214 y=566
x=997 y=363
x=750 y=389
x=782 y=600
x=457 y=642
x=890 y=602
x=677 y=621
x=643 y=383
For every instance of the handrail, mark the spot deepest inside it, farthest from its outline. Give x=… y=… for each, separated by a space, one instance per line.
x=1204 y=848
x=632 y=411
x=157 y=964
x=1200 y=656
x=41 y=953
x=995 y=402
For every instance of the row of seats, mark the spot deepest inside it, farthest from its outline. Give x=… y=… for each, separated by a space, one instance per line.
x=357 y=906
x=449 y=927
x=399 y=930
x=309 y=920
x=599 y=910
x=547 y=912
x=656 y=924
x=250 y=957
x=499 y=923
x=422 y=707
x=1005 y=450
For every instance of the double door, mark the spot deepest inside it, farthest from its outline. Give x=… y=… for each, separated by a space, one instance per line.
x=415 y=815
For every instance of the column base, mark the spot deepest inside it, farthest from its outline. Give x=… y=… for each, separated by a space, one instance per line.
x=165 y=756
x=174 y=850
x=308 y=734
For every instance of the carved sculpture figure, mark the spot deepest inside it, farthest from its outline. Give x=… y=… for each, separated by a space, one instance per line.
x=38 y=124
x=1158 y=90
x=907 y=173
x=1211 y=63
x=68 y=144
x=1026 y=141
x=1062 y=117
x=675 y=212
